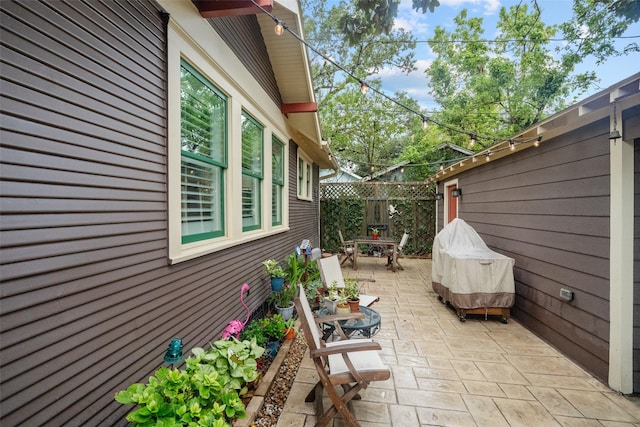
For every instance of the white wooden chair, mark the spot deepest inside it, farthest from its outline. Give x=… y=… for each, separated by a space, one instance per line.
x=330 y=270
x=351 y=364
x=348 y=248
x=401 y=245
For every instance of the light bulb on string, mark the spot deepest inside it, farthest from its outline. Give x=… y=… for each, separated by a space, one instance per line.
x=364 y=88
x=425 y=123
x=279 y=29
x=473 y=140
x=536 y=143
x=512 y=145
x=487 y=156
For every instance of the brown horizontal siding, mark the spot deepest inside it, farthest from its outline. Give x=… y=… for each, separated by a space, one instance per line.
x=89 y=301
x=636 y=262
x=83 y=206
x=548 y=208
x=242 y=34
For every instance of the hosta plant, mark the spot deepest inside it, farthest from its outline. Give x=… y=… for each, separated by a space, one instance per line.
x=205 y=393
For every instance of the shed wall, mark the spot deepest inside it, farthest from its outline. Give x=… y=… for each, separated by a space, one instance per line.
x=636 y=269
x=548 y=208
x=89 y=302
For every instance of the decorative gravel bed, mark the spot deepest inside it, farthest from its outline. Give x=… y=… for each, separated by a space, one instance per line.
x=277 y=396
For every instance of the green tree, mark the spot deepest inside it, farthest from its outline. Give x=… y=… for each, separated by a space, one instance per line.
x=361 y=18
x=596 y=23
x=367 y=130
x=500 y=88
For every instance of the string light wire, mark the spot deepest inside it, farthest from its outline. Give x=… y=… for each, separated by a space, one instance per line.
x=363 y=84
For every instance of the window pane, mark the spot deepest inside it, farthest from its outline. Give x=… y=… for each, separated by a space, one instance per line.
x=300 y=175
x=201 y=200
x=276 y=207
x=277 y=160
x=250 y=203
x=252 y=137
x=203 y=117
x=308 y=181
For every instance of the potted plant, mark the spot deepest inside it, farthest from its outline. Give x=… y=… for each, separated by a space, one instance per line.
x=283 y=300
x=374 y=233
x=273 y=329
x=294 y=270
x=332 y=298
x=290 y=330
x=277 y=273
x=352 y=291
x=313 y=291
x=342 y=306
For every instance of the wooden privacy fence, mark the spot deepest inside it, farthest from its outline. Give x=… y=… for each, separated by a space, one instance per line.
x=411 y=208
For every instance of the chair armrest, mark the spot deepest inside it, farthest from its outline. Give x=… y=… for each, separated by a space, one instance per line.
x=346 y=347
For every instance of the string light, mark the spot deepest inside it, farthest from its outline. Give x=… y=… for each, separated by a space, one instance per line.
x=512 y=145
x=424 y=123
x=536 y=143
x=279 y=29
x=487 y=156
x=473 y=159
x=473 y=140
x=364 y=88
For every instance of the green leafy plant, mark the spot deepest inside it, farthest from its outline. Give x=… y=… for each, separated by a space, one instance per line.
x=205 y=393
x=375 y=231
x=352 y=290
x=265 y=329
x=295 y=269
x=273 y=327
x=311 y=289
x=273 y=268
x=283 y=298
x=333 y=294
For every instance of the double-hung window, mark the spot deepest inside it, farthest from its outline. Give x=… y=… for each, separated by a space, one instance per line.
x=277 y=180
x=203 y=140
x=305 y=178
x=252 y=172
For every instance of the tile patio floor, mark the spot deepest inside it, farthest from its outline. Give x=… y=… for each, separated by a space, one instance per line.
x=448 y=373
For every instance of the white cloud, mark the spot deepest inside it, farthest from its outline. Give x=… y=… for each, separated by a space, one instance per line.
x=490 y=6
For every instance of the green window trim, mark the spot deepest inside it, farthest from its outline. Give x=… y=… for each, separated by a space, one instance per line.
x=203 y=144
x=252 y=172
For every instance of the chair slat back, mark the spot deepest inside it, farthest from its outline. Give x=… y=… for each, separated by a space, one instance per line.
x=403 y=241
x=341 y=238
x=329 y=268
x=306 y=317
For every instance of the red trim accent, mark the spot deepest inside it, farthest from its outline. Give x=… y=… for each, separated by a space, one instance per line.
x=299 y=107
x=218 y=8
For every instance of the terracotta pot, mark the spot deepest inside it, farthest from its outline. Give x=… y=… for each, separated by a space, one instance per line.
x=374 y=236
x=291 y=333
x=354 y=305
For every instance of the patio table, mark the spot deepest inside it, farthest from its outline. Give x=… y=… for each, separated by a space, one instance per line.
x=387 y=242
x=367 y=326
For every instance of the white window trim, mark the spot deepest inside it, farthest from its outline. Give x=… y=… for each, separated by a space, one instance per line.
x=182 y=46
x=306 y=161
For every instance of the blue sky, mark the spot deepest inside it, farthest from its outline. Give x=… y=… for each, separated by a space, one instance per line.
x=422 y=27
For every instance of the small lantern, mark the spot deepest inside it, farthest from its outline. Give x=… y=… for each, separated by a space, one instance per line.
x=174 y=351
